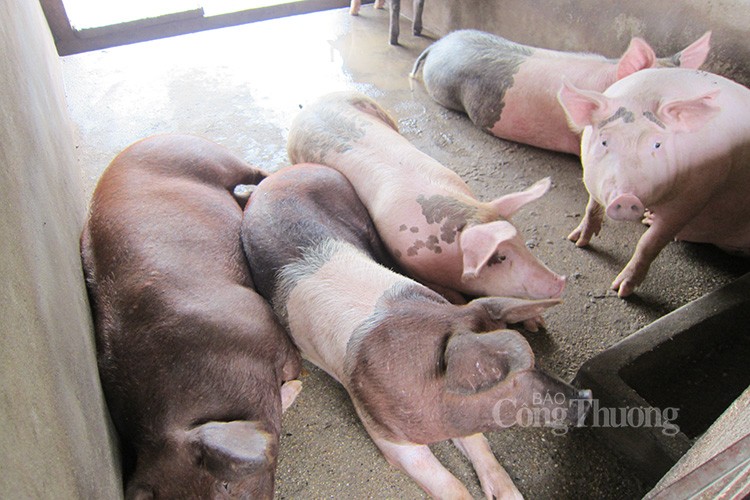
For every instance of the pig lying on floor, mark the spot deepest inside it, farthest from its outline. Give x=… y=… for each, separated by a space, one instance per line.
x=194 y=389
x=509 y=89
x=418 y=369
x=674 y=144
x=429 y=220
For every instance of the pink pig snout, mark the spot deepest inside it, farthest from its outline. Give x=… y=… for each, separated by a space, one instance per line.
x=557 y=286
x=625 y=207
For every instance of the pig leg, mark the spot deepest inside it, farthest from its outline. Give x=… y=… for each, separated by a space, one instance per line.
x=354 y=7
x=590 y=225
x=395 y=27
x=289 y=392
x=416 y=27
x=651 y=243
x=379 y=4
x=423 y=467
x=496 y=483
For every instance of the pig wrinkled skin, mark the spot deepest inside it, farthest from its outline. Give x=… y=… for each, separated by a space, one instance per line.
x=509 y=89
x=432 y=224
x=670 y=144
x=195 y=390
x=418 y=369
x=394 y=29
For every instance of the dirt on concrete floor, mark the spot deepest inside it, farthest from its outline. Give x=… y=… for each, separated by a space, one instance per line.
x=241 y=87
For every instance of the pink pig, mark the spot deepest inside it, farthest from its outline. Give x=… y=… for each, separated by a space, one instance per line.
x=673 y=143
x=426 y=215
x=509 y=89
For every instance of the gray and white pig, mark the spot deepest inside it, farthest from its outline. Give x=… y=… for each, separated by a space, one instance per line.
x=673 y=144
x=418 y=369
x=195 y=389
x=426 y=215
x=510 y=90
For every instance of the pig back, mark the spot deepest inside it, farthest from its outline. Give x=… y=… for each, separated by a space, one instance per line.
x=300 y=207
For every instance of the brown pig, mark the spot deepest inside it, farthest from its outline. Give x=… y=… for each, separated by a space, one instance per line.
x=428 y=218
x=418 y=369
x=194 y=389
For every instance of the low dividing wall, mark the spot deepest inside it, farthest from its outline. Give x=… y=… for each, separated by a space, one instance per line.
x=55 y=439
x=605 y=26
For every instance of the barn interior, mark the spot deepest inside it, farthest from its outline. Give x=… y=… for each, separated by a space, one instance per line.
x=71 y=102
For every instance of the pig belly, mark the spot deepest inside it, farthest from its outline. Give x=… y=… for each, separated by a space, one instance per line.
x=532 y=114
x=529 y=123
x=730 y=232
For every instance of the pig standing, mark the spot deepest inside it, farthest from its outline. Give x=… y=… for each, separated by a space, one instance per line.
x=394 y=28
x=509 y=89
x=194 y=388
x=418 y=368
x=426 y=215
x=674 y=143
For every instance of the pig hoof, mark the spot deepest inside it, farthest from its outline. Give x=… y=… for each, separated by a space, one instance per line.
x=623 y=288
x=534 y=324
x=242 y=192
x=289 y=392
x=575 y=236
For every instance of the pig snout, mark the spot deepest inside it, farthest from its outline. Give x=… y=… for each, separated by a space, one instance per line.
x=542 y=400
x=555 y=286
x=544 y=284
x=625 y=207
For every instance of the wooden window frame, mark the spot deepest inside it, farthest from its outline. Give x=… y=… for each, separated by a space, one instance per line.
x=70 y=41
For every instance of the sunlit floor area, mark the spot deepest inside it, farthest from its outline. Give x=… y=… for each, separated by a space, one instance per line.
x=242 y=86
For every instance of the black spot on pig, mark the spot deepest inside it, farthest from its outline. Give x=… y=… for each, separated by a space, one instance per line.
x=627 y=117
x=451 y=213
x=471 y=71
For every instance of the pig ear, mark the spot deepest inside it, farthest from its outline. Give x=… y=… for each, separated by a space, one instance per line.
x=477 y=361
x=513 y=310
x=507 y=205
x=479 y=243
x=582 y=107
x=639 y=55
x=230 y=450
x=694 y=55
x=689 y=115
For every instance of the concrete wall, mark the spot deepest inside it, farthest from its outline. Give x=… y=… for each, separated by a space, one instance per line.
x=606 y=26
x=55 y=439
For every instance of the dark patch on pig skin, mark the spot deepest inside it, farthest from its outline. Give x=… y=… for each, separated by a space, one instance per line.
x=402 y=227
x=454 y=213
x=627 y=117
x=652 y=117
x=471 y=71
x=438 y=208
x=328 y=131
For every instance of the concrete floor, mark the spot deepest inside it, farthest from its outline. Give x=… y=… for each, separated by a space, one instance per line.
x=241 y=87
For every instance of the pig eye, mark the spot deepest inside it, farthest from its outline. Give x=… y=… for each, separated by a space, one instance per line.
x=657 y=145
x=496 y=259
x=604 y=143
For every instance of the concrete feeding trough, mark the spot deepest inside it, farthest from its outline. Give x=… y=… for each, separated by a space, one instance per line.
x=661 y=388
